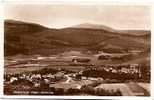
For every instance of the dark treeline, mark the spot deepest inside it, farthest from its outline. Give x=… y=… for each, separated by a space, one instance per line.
x=144 y=75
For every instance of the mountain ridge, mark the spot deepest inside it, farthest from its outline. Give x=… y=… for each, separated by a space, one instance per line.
x=30 y=38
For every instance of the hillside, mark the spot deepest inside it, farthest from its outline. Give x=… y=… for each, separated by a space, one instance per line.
x=30 y=38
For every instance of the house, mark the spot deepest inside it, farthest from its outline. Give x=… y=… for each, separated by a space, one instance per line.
x=114 y=71
x=59 y=75
x=125 y=70
x=92 y=78
x=36 y=76
x=104 y=57
x=12 y=79
x=36 y=84
x=81 y=60
x=83 y=78
x=134 y=68
x=48 y=76
x=47 y=81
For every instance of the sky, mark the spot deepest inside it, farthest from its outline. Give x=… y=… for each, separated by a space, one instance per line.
x=123 y=17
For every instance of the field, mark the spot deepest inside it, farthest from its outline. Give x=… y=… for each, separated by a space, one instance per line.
x=137 y=90
x=127 y=89
x=145 y=86
x=27 y=69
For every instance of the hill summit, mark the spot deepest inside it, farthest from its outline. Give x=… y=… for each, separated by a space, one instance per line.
x=93 y=26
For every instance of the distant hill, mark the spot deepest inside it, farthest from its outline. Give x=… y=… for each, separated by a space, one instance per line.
x=31 y=38
x=103 y=27
x=93 y=26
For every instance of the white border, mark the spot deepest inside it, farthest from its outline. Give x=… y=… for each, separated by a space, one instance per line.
x=82 y=2
x=152 y=51
x=76 y=2
x=1 y=49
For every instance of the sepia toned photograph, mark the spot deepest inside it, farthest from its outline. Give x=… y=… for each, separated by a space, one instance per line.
x=77 y=50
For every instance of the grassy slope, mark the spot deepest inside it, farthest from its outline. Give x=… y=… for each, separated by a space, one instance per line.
x=21 y=37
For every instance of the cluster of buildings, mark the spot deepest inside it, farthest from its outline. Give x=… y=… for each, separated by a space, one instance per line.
x=128 y=68
x=57 y=80
x=36 y=79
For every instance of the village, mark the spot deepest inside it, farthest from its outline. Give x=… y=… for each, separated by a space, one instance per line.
x=72 y=75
